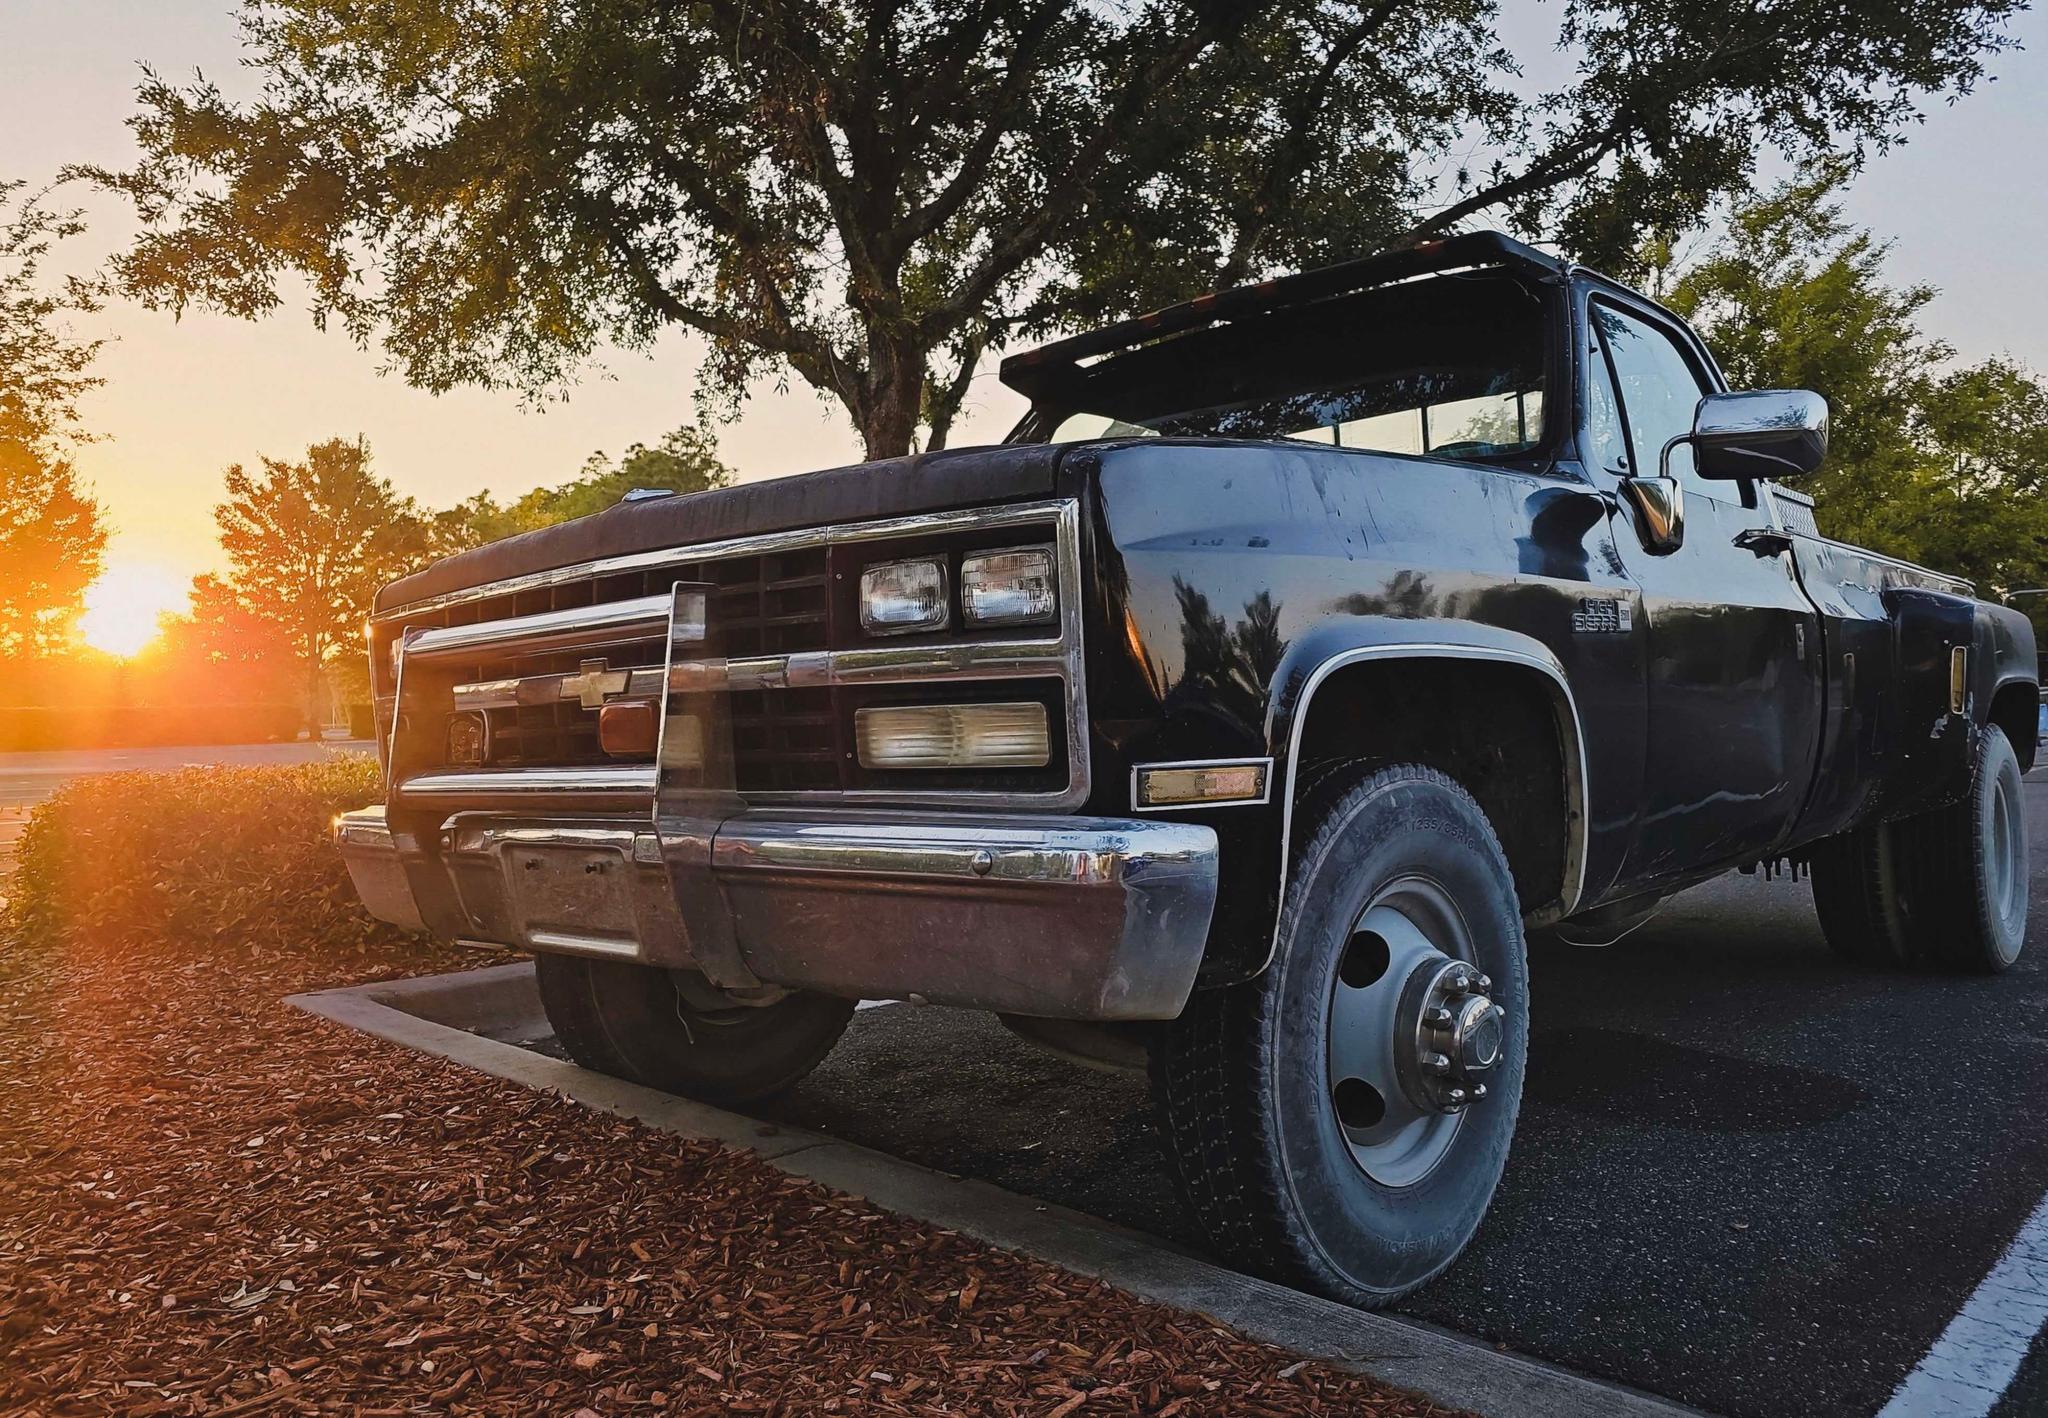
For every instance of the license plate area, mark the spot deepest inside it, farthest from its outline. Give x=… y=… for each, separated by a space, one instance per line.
x=566 y=897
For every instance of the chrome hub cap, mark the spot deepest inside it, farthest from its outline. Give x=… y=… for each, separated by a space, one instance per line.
x=1458 y=1035
x=1412 y=1032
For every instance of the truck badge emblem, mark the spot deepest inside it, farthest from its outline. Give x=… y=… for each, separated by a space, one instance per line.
x=595 y=680
x=1599 y=615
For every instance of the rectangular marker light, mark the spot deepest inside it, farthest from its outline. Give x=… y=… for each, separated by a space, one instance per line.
x=1191 y=785
x=954 y=736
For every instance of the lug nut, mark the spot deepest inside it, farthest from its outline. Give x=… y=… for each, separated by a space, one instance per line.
x=1437 y=1014
x=1478 y=1091
x=1436 y=1063
x=1455 y=1095
x=1483 y=984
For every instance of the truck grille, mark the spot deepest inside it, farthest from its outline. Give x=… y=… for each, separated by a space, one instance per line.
x=781 y=617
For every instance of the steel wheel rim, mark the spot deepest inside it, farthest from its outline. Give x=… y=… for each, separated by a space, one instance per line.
x=1417 y=921
x=2008 y=852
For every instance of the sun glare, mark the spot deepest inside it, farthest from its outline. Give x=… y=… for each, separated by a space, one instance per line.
x=121 y=608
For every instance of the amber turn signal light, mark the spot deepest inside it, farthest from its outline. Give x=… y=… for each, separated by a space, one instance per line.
x=629 y=728
x=1157 y=785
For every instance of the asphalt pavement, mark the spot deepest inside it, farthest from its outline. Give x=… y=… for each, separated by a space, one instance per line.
x=1747 y=1176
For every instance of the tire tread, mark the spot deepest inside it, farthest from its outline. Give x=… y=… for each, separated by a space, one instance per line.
x=1214 y=1103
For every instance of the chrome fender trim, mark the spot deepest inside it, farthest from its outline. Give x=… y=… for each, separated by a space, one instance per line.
x=1536 y=657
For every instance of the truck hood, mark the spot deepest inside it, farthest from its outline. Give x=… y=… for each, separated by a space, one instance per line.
x=894 y=487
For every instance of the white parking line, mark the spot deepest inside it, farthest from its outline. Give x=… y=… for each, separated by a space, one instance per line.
x=1971 y=1365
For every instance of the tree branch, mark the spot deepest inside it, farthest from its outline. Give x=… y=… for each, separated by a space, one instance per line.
x=942 y=403
x=950 y=198
x=1581 y=155
x=1292 y=152
x=1012 y=250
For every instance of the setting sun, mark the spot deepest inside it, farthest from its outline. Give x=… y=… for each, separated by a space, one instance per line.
x=122 y=607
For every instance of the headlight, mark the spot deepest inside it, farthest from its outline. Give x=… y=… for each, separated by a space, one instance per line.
x=1013 y=587
x=953 y=736
x=901 y=596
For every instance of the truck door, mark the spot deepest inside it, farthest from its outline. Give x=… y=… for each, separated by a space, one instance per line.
x=1734 y=695
x=1848 y=588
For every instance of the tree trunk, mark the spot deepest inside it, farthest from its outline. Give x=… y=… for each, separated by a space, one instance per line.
x=890 y=404
x=316 y=700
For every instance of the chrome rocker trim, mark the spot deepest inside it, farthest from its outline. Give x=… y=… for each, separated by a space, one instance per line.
x=1066 y=918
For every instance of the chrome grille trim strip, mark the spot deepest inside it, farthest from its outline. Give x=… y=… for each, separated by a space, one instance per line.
x=925 y=523
x=630 y=785
x=981 y=660
x=572 y=628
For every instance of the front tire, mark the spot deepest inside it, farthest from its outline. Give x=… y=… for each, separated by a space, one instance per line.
x=1308 y=1112
x=666 y=1029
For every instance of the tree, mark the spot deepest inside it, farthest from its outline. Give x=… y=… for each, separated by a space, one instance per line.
x=51 y=538
x=221 y=650
x=1927 y=461
x=873 y=194
x=309 y=544
x=1796 y=298
x=684 y=461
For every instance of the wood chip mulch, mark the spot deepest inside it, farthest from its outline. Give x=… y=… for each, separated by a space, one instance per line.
x=213 y=1204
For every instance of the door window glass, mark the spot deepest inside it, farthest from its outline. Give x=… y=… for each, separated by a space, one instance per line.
x=1659 y=393
x=1606 y=444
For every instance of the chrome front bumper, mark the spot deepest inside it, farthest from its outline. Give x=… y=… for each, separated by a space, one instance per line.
x=1059 y=917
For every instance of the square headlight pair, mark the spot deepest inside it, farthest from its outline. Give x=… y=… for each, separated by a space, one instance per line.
x=1014 y=587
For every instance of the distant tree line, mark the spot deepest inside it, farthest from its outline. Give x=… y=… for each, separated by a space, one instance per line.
x=1929 y=459
x=51 y=539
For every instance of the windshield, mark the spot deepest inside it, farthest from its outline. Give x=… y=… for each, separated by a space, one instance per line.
x=1450 y=366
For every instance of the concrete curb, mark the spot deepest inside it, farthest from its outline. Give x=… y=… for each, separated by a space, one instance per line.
x=437 y=1015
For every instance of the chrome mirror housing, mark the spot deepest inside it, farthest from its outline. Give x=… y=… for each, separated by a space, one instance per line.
x=1764 y=433
x=1658 y=505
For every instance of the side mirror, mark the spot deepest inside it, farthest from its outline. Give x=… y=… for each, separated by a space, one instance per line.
x=1766 y=433
x=1659 y=507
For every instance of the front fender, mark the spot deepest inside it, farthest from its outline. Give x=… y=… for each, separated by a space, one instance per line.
x=1349 y=640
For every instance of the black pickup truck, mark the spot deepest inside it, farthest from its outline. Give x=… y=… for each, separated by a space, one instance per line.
x=1304 y=646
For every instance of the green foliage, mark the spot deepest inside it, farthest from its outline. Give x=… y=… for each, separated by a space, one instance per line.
x=1936 y=464
x=873 y=195
x=51 y=538
x=227 y=859
x=684 y=461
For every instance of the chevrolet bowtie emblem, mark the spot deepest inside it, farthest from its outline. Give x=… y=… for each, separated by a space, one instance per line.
x=594 y=681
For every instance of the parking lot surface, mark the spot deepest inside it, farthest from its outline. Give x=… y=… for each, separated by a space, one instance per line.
x=1747 y=1177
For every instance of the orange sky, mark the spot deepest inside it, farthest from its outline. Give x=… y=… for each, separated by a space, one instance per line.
x=184 y=400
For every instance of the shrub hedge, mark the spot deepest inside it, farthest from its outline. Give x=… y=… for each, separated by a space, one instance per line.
x=224 y=858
